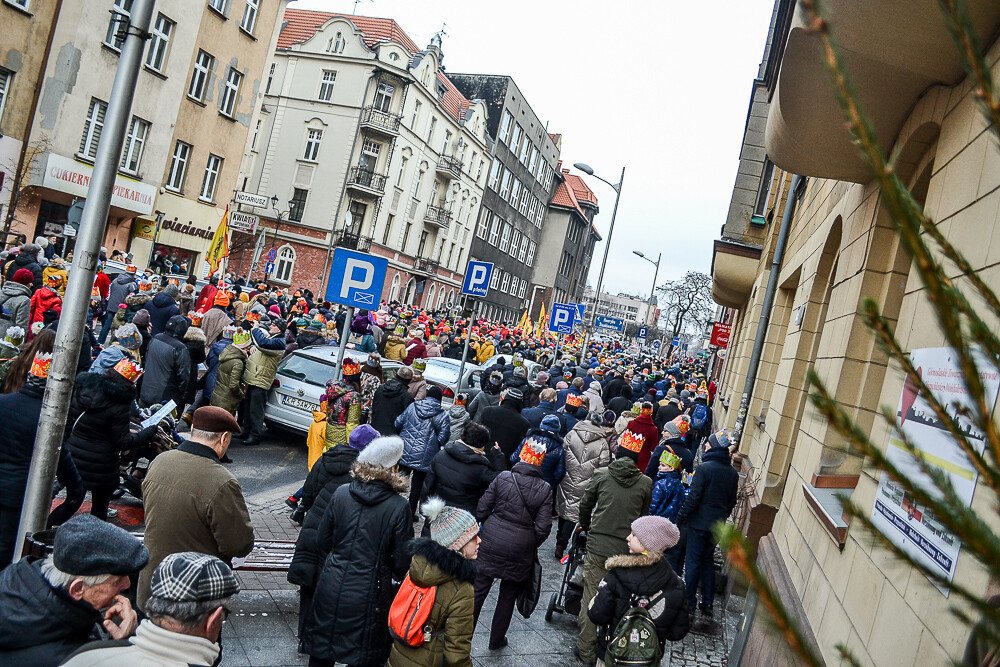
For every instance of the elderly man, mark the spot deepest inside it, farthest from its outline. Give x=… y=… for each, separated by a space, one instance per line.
x=192 y=502
x=186 y=608
x=51 y=607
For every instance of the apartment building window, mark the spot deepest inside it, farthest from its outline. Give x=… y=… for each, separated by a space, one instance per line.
x=406 y=236
x=523 y=250
x=521 y=289
x=533 y=161
x=92 y=128
x=538 y=215
x=495 y=230
x=532 y=204
x=203 y=65
x=121 y=11
x=6 y=79
x=211 y=178
x=369 y=154
x=505 y=183
x=388 y=228
x=525 y=195
x=270 y=78
x=447 y=140
x=286 y=262
x=229 y=94
x=525 y=146
x=484 y=223
x=495 y=279
x=402 y=170
x=297 y=204
x=221 y=6
x=494 y=175
x=434 y=192
x=505 y=126
x=505 y=238
x=159 y=43
x=515 y=139
x=764 y=193
x=421 y=244
x=515 y=241
x=250 y=16
x=415 y=116
x=178 y=166
x=135 y=141
x=383 y=97
x=515 y=192
x=430 y=131
x=313 y=138
x=326 y=85
x=256 y=133
x=479 y=171
x=505 y=282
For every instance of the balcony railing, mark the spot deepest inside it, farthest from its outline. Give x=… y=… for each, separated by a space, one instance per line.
x=366 y=180
x=425 y=265
x=382 y=121
x=451 y=166
x=353 y=241
x=439 y=215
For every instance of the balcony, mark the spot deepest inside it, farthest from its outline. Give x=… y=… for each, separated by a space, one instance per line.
x=425 y=265
x=735 y=261
x=366 y=181
x=380 y=121
x=449 y=166
x=438 y=215
x=351 y=241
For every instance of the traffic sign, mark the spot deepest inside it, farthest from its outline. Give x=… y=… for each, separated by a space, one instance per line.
x=562 y=317
x=356 y=279
x=251 y=199
x=677 y=341
x=272 y=254
x=603 y=322
x=269 y=268
x=656 y=344
x=579 y=310
x=477 y=278
x=642 y=333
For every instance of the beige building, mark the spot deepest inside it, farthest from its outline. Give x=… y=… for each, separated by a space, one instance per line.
x=841 y=249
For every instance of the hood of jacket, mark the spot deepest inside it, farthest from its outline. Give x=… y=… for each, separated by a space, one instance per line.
x=589 y=432
x=720 y=454
x=373 y=485
x=624 y=471
x=433 y=564
x=231 y=352
x=338 y=389
x=461 y=452
x=635 y=560
x=551 y=440
x=394 y=388
x=427 y=408
x=163 y=300
x=456 y=411
x=177 y=326
x=124 y=278
x=338 y=460
x=11 y=288
x=195 y=335
x=139 y=299
x=96 y=392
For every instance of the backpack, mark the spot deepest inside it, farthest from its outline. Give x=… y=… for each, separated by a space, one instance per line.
x=699 y=416
x=409 y=613
x=634 y=643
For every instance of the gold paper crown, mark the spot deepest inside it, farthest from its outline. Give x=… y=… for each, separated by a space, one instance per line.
x=252 y=316
x=533 y=452
x=40 y=365
x=351 y=367
x=681 y=424
x=670 y=458
x=574 y=400
x=128 y=369
x=632 y=442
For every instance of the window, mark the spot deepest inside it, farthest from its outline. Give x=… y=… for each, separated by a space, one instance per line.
x=256 y=132
x=369 y=154
x=538 y=215
x=434 y=192
x=178 y=166
x=494 y=175
x=495 y=278
x=402 y=170
x=447 y=140
x=421 y=244
x=520 y=290
x=515 y=138
x=505 y=282
x=534 y=160
x=406 y=236
x=92 y=128
x=383 y=97
x=479 y=172
x=531 y=253
x=326 y=85
x=508 y=121
x=515 y=192
x=415 y=116
x=388 y=228
x=6 y=78
x=525 y=195
x=430 y=130
x=418 y=182
x=232 y=90
x=270 y=78
x=203 y=64
x=484 y=223
x=495 y=230
x=764 y=193
x=297 y=204
x=312 y=145
x=532 y=207
x=505 y=183
x=515 y=241
x=135 y=141
x=23 y=4
x=505 y=239
x=336 y=45
x=286 y=262
x=250 y=16
x=522 y=251
x=220 y=6
x=525 y=147
x=211 y=178
x=120 y=13
x=159 y=42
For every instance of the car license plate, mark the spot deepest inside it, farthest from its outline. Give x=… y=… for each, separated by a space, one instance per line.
x=299 y=403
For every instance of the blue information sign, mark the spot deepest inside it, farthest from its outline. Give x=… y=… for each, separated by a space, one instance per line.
x=562 y=318
x=356 y=279
x=477 y=278
x=269 y=268
x=642 y=333
x=603 y=322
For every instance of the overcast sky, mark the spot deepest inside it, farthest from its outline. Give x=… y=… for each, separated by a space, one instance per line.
x=659 y=87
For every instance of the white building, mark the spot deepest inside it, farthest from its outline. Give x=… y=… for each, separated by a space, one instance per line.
x=622 y=306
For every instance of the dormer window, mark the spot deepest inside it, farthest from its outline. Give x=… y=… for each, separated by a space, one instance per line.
x=441 y=90
x=336 y=44
x=393 y=56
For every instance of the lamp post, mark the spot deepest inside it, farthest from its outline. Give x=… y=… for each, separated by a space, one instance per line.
x=607 y=246
x=279 y=215
x=656 y=273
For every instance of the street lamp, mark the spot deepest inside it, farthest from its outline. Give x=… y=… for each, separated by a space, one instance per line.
x=652 y=292
x=607 y=246
x=279 y=215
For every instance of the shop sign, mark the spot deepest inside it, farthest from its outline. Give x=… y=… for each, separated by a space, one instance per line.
x=144 y=229
x=187 y=228
x=243 y=222
x=67 y=175
x=250 y=199
x=720 y=334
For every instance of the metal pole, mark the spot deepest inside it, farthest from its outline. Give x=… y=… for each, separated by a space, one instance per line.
x=465 y=353
x=55 y=402
x=344 y=335
x=604 y=262
x=765 y=311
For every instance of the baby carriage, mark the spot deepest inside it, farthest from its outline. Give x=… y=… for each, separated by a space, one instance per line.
x=570 y=593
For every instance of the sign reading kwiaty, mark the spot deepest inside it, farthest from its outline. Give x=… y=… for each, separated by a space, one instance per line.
x=67 y=175
x=901 y=519
x=243 y=222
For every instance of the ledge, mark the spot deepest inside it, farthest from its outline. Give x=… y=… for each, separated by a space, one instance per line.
x=826 y=506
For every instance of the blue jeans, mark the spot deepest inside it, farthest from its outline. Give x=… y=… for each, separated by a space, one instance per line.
x=699 y=567
x=108 y=319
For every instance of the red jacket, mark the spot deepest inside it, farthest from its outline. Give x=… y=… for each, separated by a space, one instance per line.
x=415 y=350
x=644 y=428
x=206 y=298
x=43 y=299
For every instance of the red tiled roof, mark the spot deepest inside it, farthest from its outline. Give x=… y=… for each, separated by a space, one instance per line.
x=571 y=191
x=303 y=24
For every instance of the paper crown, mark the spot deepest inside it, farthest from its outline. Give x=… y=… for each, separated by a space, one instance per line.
x=15 y=335
x=399 y=330
x=128 y=336
x=196 y=317
x=646 y=411
x=670 y=458
x=573 y=400
x=145 y=285
x=420 y=365
x=130 y=268
x=533 y=452
x=682 y=424
x=351 y=367
x=54 y=280
x=241 y=338
x=252 y=316
x=631 y=441
x=40 y=365
x=128 y=369
x=95 y=293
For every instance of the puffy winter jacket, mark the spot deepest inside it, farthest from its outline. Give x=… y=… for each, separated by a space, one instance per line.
x=513 y=528
x=24 y=261
x=212 y=364
x=460 y=475
x=227 y=390
x=425 y=428
x=391 y=399
x=414 y=350
x=168 y=365
x=489 y=397
x=458 y=417
x=586 y=450
x=263 y=363
x=135 y=303
x=194 y=340
x=668 y=495
x=121 y=287
x=15 y=305
x=17 y=441
x=44 y=299
x=713 y=491
x=484 y=352
x=417 y=387
x=642 y=432
x=395 y=348
x=161 y=308
x=553 y=465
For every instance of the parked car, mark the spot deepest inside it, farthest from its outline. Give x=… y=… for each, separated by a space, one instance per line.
x=533 y=368
x=443 y=372
x=300 y=383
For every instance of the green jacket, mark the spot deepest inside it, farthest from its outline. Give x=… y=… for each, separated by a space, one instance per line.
x=451 y=617
x=228 y=392
x=263 y=363
x=615 y=497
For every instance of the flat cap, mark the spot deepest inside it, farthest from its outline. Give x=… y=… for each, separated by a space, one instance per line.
x=86 y=546
x=214 y=420
x=190 y=576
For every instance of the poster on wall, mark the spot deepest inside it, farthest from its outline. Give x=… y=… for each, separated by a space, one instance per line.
x=906 y=523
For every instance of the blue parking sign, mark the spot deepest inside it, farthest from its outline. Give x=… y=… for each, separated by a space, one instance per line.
x=676 y=341
x=356 y=279
x=642 y=333
x=562 y=318
x=477 y=278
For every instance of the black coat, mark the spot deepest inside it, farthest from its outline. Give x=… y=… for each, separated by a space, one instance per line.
x=194 y=341
x=713 y=491
x=459 y=475
x=17 y=441
x=513 y=529
x=101 y=410
x=507 y=426
x=161 y=308
x=25 y=261
x=665 y=414
x=536 y=414
x=391 y=399
x=168 y=365
x=39 y=626
x=613 y=389
x=676 y=444
x=618 y=405
x=364 y=532
x=330 y=472
x=641 y=575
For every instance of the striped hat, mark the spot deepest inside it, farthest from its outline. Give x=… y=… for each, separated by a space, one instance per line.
x=450 y=527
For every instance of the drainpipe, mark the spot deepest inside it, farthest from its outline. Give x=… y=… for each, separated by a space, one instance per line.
x=765 y=312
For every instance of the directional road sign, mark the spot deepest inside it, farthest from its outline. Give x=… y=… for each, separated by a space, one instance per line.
x=642 y=333
x=477 y=278
x=269 y=268
x=562 y=318
x=603 y=322
x=356 y=279
x=677 y=341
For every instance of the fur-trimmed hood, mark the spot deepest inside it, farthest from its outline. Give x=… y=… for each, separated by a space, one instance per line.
x=138 y=299
x=367 y=473
x=195 y=335
x=633 y=560
x=434 y=564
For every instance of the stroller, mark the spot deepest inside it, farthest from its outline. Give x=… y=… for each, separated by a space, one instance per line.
x=570 y=595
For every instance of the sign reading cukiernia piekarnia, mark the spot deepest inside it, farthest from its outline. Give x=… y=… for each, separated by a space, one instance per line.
x=903 y=521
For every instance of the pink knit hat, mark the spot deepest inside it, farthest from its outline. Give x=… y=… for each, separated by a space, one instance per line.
x=656 y=533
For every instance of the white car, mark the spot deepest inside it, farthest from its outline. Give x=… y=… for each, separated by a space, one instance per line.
x=443 y=372
x=533 y=368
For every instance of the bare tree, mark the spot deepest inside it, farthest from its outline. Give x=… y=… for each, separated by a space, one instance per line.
x=687 y=303
x=20 y=189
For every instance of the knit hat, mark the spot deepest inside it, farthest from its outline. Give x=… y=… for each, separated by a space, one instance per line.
x=382 y=452
x=274 y=311
x=533 y=451
x=405 y=374
x=551 y=423
x=512 y=394
x=141 y=318
x=520 y=372
x=450 y=527
x=190 y=576
x=171 y=291
x=362 y=436
x=719 y=439
x=221 y=299
x=128 y=336
x=670 y=458
x=656 y=533
x=542 y=378
x=15 y=335
x=24 y=276
x=610 y=417
x=85 y=546
x=595 y=418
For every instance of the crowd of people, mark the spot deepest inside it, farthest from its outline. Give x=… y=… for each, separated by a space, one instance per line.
x=415 y=504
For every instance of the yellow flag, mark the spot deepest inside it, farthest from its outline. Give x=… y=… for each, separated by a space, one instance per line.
x=219 y=249
x=523 y=321
x=542 y=322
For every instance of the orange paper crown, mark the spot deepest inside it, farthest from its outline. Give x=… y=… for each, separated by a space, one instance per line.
x=533 y=452
x=128 y=369
x=40 y=365
x=252 y=316
x=573 y=400
x=54 y=280
x=196 y=317
x=632 y=442
x=351 y=367
x=681 y=424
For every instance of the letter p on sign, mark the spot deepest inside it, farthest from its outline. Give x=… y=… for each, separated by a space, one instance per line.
x=353 y=265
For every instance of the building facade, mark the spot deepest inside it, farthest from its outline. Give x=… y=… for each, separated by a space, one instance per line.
x=520 y=187
x=194 y=101
x=840 y=583
x=625 y=307
x=366 y=144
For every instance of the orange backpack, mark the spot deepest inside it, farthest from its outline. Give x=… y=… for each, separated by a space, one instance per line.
x=409 y=613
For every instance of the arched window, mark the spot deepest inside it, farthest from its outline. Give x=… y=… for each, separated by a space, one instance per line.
x=430 y=295
x=284 y=265
x=441 y=298
x=338 y=45
x=394 y=288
